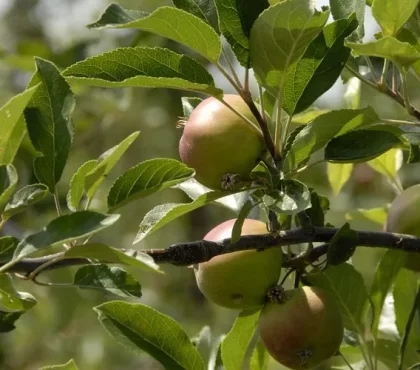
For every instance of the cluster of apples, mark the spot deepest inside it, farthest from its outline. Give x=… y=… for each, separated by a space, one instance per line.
x=304 y=327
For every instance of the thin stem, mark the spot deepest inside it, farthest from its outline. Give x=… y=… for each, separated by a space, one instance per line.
x=262 y=107
x=405 y=92
x=57 y=202
x=372 y=69
x=399 y=122
x=246 y=83
x=230 y=79
x=394 y=86
x=285 y=132
x=232 y=69
x=361 y=77
x=286 y=276
x=2 y=222
x=382 y=82
x=345 y=360
x=304 y=168
x=278 y=130
x=39 y=269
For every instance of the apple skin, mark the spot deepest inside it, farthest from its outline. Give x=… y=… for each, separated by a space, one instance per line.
x=305 y=330
x=216 y=141
x=241 y=279
x=404 y=218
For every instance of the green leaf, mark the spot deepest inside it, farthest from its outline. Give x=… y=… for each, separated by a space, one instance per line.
x=165 y=213
x=111 y=279
x=8 y=319
x=106 y=163
x=203 y=9
x=243 y=214
x=391 y=15
x=341 y=9
x=65 y=229
x=146 y=178
x=388 y=163
x=374 y=215
x=105 y=253
x=77 y=184
x=236 y=343
x=260 y=358
x=348 y=287
x=319 y=207
x=280 y=37
x=386 y=272
x=8 y=245
x=323 y=128
x=342 y=246
x=70 y=365
x=23 y=198
x=10 y=299
x=235 y=20
x=338 y=174
x=189 y=104
x=319 y=67
x=400 y=53
x=142 y=329
x=48 y=121
x=387 y=352
x=12 y=128
x=8 y=182
x=169 y=22
x=360 y=145
x=143 y=67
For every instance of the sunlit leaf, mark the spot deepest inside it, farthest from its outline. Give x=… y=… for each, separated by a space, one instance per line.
x=388 y=163
x=10 y=299
x=338 y=174
x=203 y=9
x=344 y=8
x=8 y=183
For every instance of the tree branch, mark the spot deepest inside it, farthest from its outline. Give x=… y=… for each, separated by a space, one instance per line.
x=185 y=254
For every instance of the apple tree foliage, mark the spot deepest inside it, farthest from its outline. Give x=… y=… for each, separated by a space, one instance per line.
x=296 y=54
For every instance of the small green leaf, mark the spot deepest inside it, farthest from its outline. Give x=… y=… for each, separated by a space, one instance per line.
x=373 y=215
x=320 y=66
x=203 y=9
x=77 y=184
x=111 y=279
x=169 y=22
x=388 y=163
x=105 y=253
x=165 y=213
x=341 y=9
x=400 y=53
x=260 y=357
x=146 y=178
x=360 y=145
x=280 y=37
x=142 y=329
x=8 y=182
x=235 y=20
x=342 y=245
x=23 y=198
x=10 y=299
x=70 y=365
x=8 y=245
x=143 y=67
x=243 y=214
x=12 y=128
x=391 y=15
x=319 y=207
x=189 y=104
x=236 y=343
x=8 y=319
x=348 y=287
x=48 y=121
x=338 y=174
x=261 y=173
x=65 y=229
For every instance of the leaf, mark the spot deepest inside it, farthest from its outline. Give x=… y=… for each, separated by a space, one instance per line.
x=400 y=53
x=77 y=185
x=338 y=174
x=8 y=245
x=203 y=9
x=12 y=128
x=374 y=215
x=322 y=129
x=388 y=163
x=23 y=198
x=70 y=365
x=243 y=214
x=106 y=163
x=260 y=358
x=319 y=207
x=105 y=253
x=391 y=15
x=10 y=299
x=111 y=279
x=169 y=22
x=386 y=272
x=344 y=8
x=189 y=104
x=388 y=352
x=359 y=146
x=8 y=319
x=146 y=178
x=319 y=67
x=342 y=245
x=160 y=215
x=235 y=20
x=48 y=121
x=141 y=328
x=236 y=343
x=143 y=67
x=348 y=287
x=65 y=229
x=8 y=182
x=280 y=37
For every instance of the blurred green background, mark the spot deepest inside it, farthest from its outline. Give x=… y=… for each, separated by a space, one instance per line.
x=63 y=324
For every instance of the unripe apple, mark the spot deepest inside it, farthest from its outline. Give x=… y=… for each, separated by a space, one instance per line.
x=241 y=279
x=305 y=330
x=404 y=218
x=216 y=141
